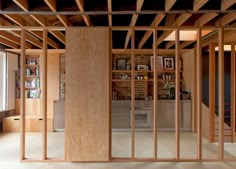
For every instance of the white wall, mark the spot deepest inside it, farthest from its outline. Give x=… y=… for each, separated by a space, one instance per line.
x=11 y=81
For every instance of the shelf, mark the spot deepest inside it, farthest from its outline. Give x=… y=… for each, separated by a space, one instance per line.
x=31 y=88
x=121 y=80
x=31 y=65
x=32 y=77
x=143 y=71
x=143 y=80
x=121 y=71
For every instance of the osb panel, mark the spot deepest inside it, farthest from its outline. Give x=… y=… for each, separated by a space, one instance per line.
x=87 y=94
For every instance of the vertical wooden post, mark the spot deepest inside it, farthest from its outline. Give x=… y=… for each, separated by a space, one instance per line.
x=110 y=102
x=221 y=93
x=199 y=93
x=212 y=104
x=233 y=95
x=194 y=118
x=177 y=91
x=155 y=93
x=132 y=94
x=22 y=93
x=44 y=94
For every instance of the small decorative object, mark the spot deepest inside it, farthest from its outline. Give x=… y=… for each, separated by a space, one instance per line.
x=159 y=63
x=169 y=63
x=142 y=67
x=121 y=64
x=171 y=89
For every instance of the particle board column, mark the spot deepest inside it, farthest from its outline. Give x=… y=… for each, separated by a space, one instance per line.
x=87 y=100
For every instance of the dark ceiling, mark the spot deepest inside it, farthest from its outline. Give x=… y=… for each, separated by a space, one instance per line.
x=95 y=13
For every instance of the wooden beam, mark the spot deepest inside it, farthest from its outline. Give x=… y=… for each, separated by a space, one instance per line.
x=52 y=4
x=179 y=21
x=212 y=102
x=197 y=4
x=109 y=7
x=30 y=39
x=40 y=19
x=169 y=4
x=199 y=95
x=8 y=43
x=226 y=19
x=185 y=44
x=221 y=93
x=22 y=100
x=87 y=20
x=233 y=91
x=225 y=4
x=44 y=93
x=8 y=36
x=177 y=96
x=182 y=18
x=39 y=34
x=59 y=36
x=205 y=18
x=157 y=20
x=170 y=44
x=23 y=4
x=16 y=19
x=133 y=21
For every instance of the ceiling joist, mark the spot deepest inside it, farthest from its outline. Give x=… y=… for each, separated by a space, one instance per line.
x=109 y=7
x=133 y=21
x=197 y=4
x=225 y=4
x=41 y=20
x=87 y=20
x=52 y=4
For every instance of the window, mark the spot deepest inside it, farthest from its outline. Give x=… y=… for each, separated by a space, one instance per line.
x=3 y=81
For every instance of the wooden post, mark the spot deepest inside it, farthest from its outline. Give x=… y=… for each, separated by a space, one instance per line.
x=177 y=92
x=44 y=94
x=132 y=95
x=199 y=93
x=233 y=85
x=22 y=99
x=221 y=93
x=212 y=104
x=110 y=102
x=155 y=93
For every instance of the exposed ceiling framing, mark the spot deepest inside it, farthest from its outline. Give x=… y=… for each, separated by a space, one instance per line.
x=147 y=13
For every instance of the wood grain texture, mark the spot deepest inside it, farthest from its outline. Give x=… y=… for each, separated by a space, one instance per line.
x=87 y=94
x=52 y=82
x=212 y=86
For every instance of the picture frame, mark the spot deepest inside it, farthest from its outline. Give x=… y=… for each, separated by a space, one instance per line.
x=121 y=63
x=159 y=63
x=142 y=67
x=169 y=63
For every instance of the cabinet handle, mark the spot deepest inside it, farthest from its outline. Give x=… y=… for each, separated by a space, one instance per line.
x=40 y=119
x=16 y=119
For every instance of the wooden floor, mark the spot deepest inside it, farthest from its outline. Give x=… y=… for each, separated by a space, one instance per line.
x=9 y=151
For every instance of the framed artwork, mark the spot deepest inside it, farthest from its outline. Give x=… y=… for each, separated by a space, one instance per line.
x=142 y=67
x=159 y=63
x=169 y=63
x=121 y=64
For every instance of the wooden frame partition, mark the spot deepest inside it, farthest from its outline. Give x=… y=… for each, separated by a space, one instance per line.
x=177 y=125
